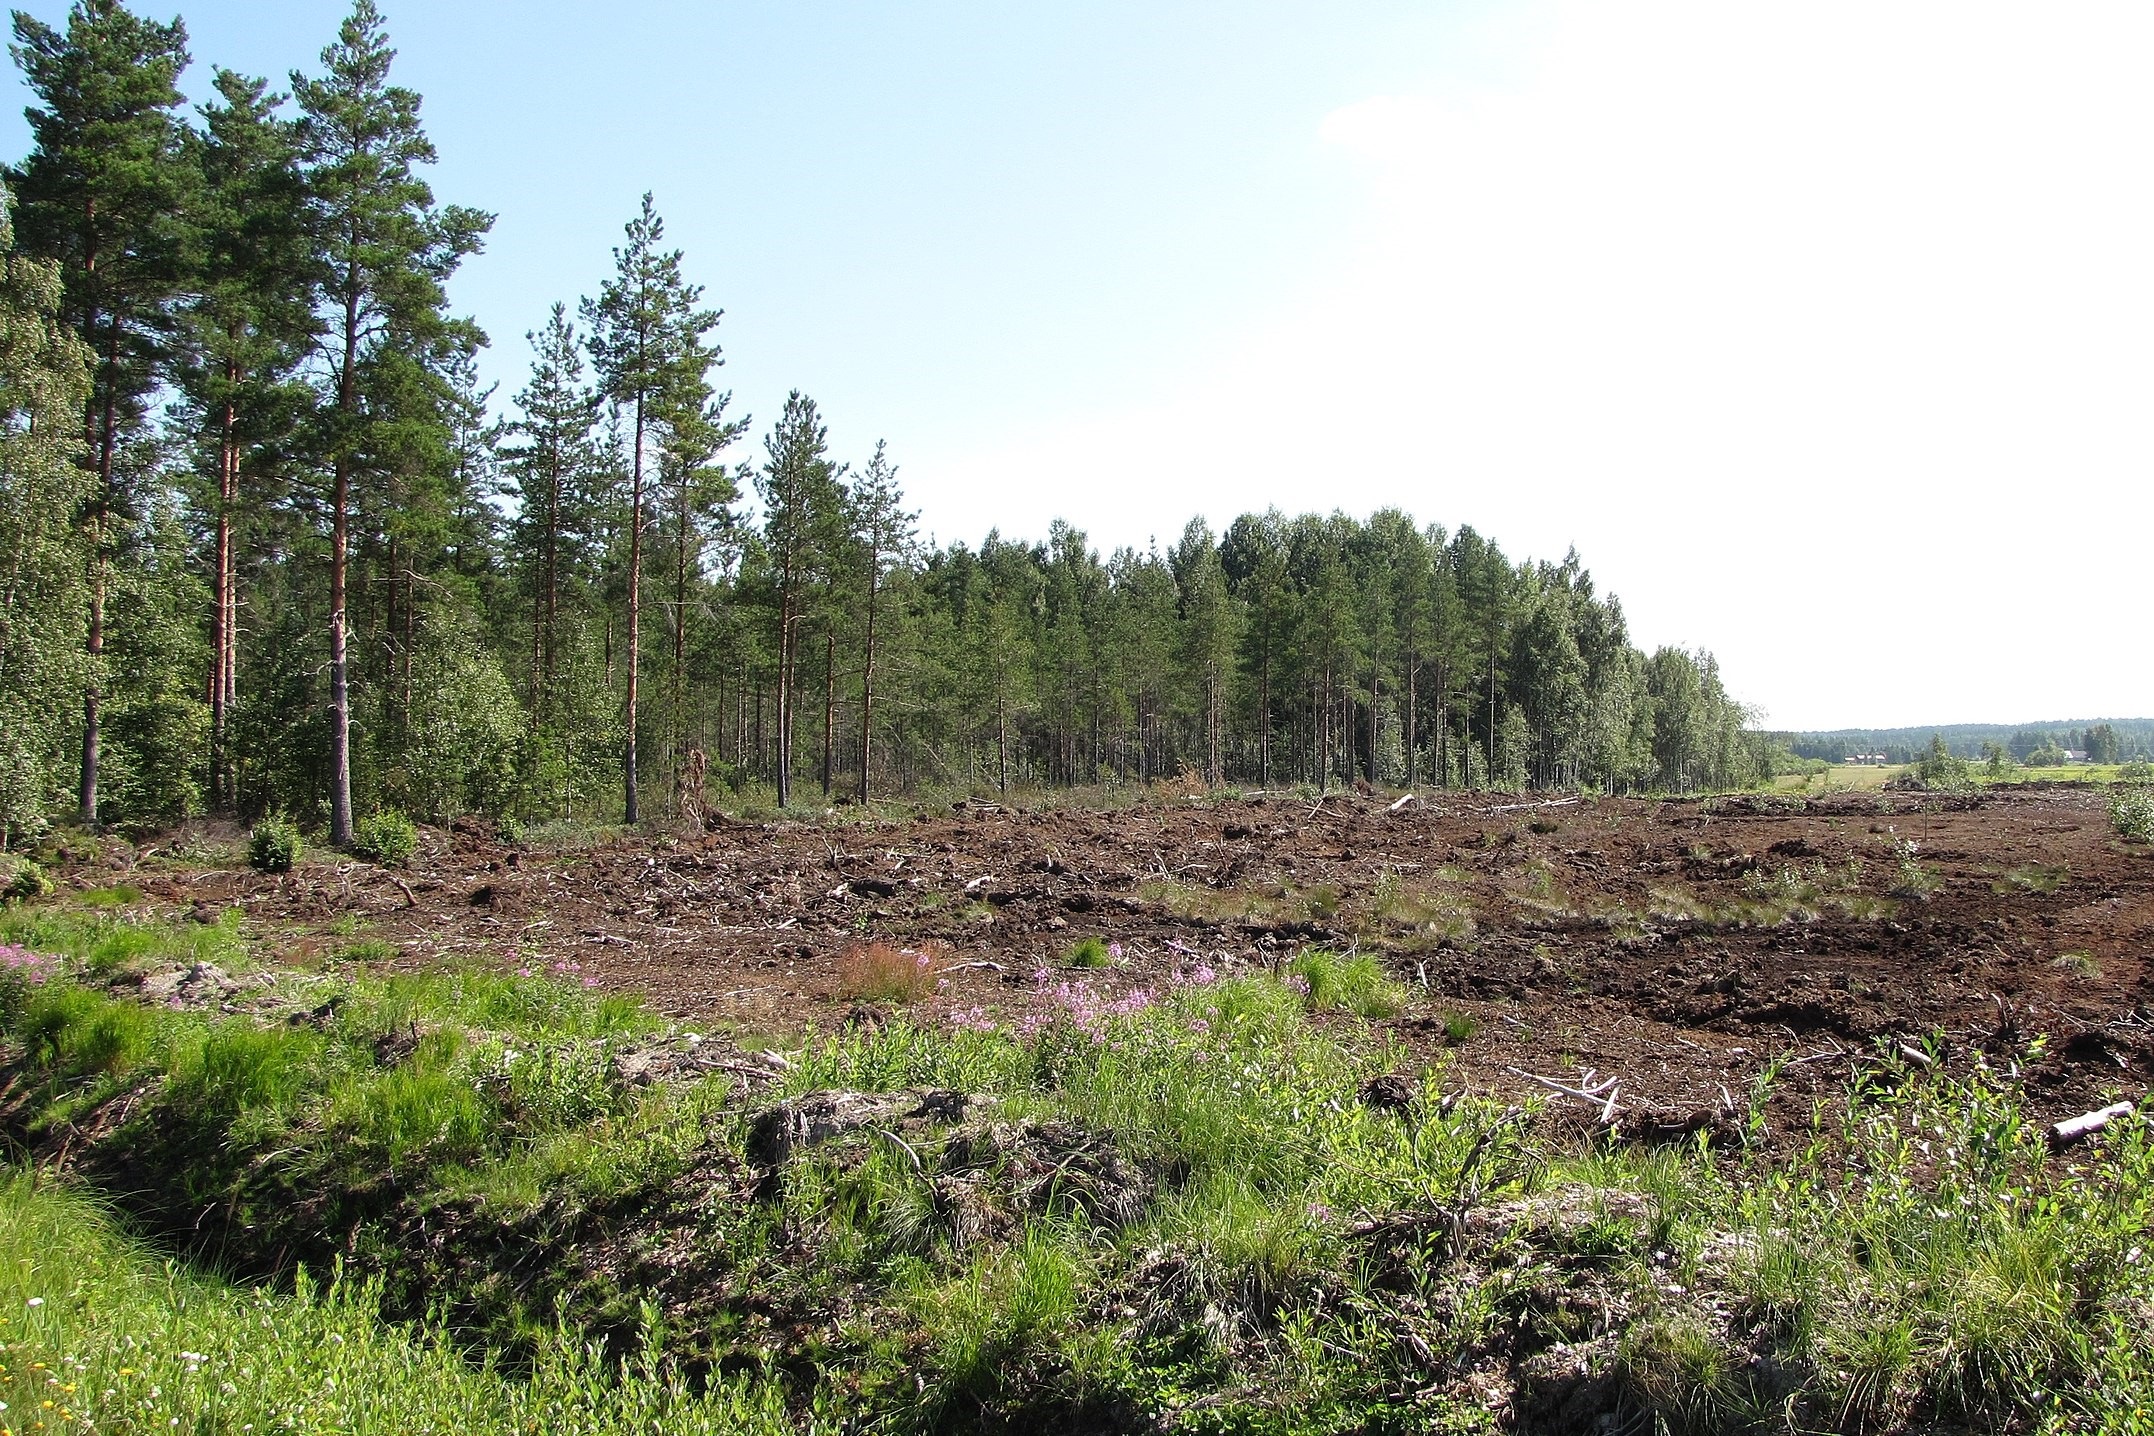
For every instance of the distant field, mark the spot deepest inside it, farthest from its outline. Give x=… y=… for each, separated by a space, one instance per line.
x=2075 y=773
x=1864 y=777
x=1838 y=778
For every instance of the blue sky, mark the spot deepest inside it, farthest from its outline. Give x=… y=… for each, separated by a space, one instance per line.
x=936 y=218
x=1819 y=330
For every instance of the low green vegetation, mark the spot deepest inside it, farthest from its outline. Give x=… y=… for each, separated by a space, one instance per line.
x=1090 y=952
x=2033 y=878
x=386 y=837
x=102 y=1333
x=1176 y=1208
x=275 y=845
x=2131 y=813
x=1357 y=983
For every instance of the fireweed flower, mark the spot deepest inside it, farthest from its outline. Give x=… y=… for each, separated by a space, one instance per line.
x=31 y=966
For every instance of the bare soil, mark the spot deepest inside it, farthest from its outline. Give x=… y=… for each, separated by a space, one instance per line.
x=1676 y=945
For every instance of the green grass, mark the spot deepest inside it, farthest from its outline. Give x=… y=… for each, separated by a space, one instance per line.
x=1357 y=983
x=1089 y=952
x=101 y=1333
x=106 y=944
x=2032 y=878
x=1173 y=1210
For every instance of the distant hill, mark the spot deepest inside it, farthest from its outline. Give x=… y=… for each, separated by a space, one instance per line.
x=2134 y=739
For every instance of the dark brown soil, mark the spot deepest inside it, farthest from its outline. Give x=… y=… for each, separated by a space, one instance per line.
x=1675 y=945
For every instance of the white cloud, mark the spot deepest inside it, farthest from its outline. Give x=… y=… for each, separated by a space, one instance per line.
x=1826 y=332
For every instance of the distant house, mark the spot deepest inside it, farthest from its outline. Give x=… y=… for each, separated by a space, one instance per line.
x=2075 y=755
x=1867 y=759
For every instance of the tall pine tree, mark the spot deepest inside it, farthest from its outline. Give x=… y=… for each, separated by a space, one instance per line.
x=387 y=249
x=648 y=346
x=799 y=487
x=246 y=326
x=105 y=192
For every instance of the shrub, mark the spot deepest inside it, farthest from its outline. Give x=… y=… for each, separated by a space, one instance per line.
x=1938 y=767
x=22 y=880
x=1357 y=984
x=387 y=837
x=2131 y=813
x=878 y=972
x=2137 y=771
x=274 y=845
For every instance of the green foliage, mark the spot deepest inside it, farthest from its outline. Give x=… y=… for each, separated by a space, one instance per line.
x=108 y=946
x=387 y=837
x=236 y=1068
x=2131 y=814
x=1229 y=1229
x=115 y=1336
x=44 y=381
x=1939 y=768
x=274 y=845
x=1089 y=952
x=460 y=742
x=1357 y=983
x=79 y=1033
x=22 y=879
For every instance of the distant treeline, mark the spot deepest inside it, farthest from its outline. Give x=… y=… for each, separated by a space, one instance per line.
x=2114 y=740
x=268 y=548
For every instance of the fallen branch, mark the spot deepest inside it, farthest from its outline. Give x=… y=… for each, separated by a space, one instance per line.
x=1521 y=807
x=1409 y=798
x=1601 y=1094
x=2086 y=1124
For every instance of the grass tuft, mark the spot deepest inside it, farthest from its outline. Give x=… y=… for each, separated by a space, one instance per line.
x=1357 y=983
x=878 y=972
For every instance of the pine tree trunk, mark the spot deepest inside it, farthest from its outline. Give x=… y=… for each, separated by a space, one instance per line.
x=220 y=641
x=633 y=809
x=340 y=706
x=1320 y=730
x=1492 y=712
x=340 y=709
x=1443 y=725
x=1375 y=704
x=93 y=693
x=1002 y=744
x=1413 y=754
x=676 y=744
x=867 y=683
x=830 y=703
x=784 y=744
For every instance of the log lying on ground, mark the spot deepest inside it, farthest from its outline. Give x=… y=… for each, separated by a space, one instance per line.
x=2086 y=1124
